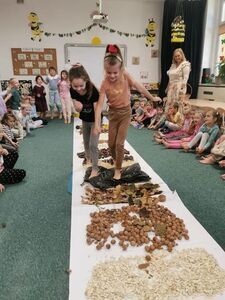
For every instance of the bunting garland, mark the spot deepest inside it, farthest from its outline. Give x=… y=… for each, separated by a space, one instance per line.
x=88 y=28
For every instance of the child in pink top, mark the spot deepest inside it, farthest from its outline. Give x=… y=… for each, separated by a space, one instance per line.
x=186 y=130
x=149 y=113
x=177 y=144
x=64 y=92
x=116 y=87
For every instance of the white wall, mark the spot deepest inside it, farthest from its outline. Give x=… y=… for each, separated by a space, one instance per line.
x=70 y=15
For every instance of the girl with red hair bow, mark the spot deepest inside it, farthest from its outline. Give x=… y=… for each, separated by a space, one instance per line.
x=116 y=87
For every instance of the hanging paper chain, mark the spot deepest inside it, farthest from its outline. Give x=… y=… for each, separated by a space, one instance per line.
x=88 y=28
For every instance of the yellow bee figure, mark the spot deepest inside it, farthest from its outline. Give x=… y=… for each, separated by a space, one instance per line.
x=35 y=26
x=150 y=33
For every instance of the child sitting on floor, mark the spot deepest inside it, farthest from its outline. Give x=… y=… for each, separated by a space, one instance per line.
x=33 y=112
x=26 y=121
x=158 y=119
x=10 y=143
x=149 y=113
x=174 y=119
x=177 y=144
x=140 y=110
x=186 y=130
x=217 y=154
x=134 y=109
x=8 y=175
x=207 y=134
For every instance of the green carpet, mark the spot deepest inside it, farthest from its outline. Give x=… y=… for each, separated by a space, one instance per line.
x=199 y=186
x=35 y=243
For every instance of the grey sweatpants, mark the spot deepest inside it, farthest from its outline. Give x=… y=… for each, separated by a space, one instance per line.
x=200 y=136
x=90 y=143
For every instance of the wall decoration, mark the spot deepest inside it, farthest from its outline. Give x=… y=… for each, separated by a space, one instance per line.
x=150 y=33
x=96 y=41
x=35 y=26
x=25 y=86
x=34 y=61
x=178 y=30
x=144 y=75
x=88 y=28
x=155 y=53
x=135 y=60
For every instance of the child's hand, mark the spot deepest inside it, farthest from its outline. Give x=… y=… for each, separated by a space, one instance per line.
x=3 y=151
x=78 y=106
x=97 y=130
x=16 y=145
x=157 y=99
x=1 y=188
x=38 y=95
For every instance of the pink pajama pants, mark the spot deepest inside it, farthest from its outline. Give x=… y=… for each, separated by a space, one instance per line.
x=66 y=108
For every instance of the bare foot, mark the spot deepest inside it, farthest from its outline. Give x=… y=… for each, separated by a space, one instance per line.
x=208 y=160
x=158 y=140
x=94 y=173
x=117 y=174
x=222 y=163
x=165 y=144
x=223 y=176
x=65 y=121
x=185 y=146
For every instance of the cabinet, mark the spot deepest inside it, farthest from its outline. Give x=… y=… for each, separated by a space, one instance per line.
x=211 y=92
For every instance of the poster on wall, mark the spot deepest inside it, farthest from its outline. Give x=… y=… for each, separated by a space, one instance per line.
x=25 y=86
x=32 y=61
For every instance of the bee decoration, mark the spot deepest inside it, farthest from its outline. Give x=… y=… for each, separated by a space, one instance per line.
x=35 y=26
x=150 y=33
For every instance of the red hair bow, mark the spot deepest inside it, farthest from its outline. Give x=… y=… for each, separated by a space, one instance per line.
x=112 y=49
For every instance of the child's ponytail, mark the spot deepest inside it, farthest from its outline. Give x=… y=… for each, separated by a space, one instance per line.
x=218 y=117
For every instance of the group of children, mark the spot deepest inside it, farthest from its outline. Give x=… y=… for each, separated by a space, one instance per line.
x=181 y=127
x=178 y=126
x=59 y=94
x=19 y=114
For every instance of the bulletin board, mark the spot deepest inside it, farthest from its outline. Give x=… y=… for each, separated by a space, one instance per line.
x=33 y=61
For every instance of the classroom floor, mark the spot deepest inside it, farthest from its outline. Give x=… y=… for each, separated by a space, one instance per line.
x=35 y=242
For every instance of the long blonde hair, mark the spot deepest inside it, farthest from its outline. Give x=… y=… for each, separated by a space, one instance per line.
x=182 y=54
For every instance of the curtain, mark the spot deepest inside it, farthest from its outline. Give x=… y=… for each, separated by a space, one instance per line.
x=193 y=13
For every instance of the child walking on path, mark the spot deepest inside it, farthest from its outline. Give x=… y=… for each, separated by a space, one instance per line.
x=54 y=99
x=64 y=91
x=39 y=94
x=85 y=98
x=116 y=87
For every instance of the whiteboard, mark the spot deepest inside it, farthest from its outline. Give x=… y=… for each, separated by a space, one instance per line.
x=91 y=57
